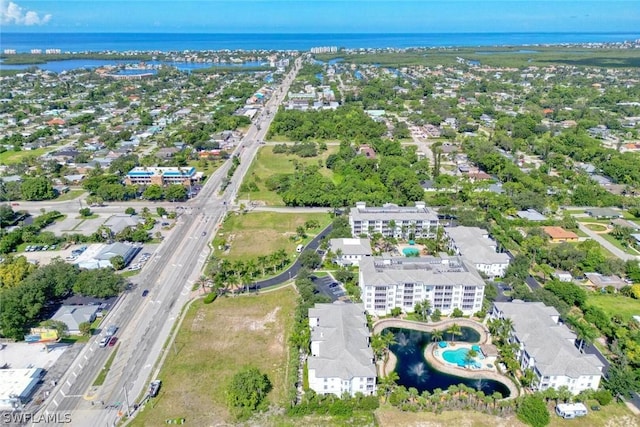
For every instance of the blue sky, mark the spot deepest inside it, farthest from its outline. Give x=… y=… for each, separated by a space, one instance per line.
x=318 y=16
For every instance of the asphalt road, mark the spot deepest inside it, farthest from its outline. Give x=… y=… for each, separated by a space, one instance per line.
x=145 y=322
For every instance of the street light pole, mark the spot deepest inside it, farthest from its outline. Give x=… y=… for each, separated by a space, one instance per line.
x=126 y=398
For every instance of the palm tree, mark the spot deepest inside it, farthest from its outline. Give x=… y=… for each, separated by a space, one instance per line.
x=262 y=263
x=387 y=384
x=437 y=335
x=454 y=330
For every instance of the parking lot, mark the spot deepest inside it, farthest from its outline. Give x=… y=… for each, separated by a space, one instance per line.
x=330 y=287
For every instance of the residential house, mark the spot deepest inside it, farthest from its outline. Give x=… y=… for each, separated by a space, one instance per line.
x=600 y=281
x=166 y=152
x=367 y=151
x=559 y=234
x=447 y=283
x=476 y=245
x=603 y=213
x=341 y=359
x=548 y=347
x=74 y=315
x=349 y=252
x=393 y=221
x=563 y=276
x=531 y=215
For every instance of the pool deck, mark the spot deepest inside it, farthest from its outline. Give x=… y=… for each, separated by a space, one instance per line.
x=437 y=362
x=483 y=373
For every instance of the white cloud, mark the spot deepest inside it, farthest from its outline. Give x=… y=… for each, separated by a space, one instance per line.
x=12 y=13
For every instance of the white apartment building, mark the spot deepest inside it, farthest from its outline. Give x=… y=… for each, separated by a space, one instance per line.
x=349 y=252
x=448 y=283
x=548 y=348
x=406 y=222
x=341 y=358
x=475 y=245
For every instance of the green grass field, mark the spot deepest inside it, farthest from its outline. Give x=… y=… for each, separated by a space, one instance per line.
x=260 y=233
x=615 y=304
x=596 y=227
x=615 y=242
x=214 y=342
x=70 y=195
x=267 y=164
x=11 y=157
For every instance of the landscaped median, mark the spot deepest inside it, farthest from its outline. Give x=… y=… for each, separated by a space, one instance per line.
x=102 y=376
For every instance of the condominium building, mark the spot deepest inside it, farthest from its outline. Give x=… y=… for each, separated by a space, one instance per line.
x=407 y=222
x=548 y=347
x=341 y=358
x=447 y=283
x=349 y=252
x=475 y=245
x=162 y=176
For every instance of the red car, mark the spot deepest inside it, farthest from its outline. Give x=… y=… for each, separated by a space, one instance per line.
x=113 y=341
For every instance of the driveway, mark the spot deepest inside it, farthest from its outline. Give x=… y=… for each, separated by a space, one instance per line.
x=293 y=270
x=606 y=244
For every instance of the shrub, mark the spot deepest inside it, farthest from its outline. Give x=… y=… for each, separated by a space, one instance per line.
x=533 y=411
x=603 y=397
x=211 y=297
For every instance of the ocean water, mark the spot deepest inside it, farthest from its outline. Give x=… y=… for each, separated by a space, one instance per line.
x=98 y=42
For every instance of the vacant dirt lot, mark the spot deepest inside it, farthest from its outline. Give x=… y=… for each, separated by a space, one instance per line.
x=215 y=342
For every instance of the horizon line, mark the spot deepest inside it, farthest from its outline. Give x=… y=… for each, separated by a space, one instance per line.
x=321 y=33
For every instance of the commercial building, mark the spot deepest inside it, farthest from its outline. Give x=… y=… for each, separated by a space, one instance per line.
x=390 y=220
x=17 y=385
x=548 y=347
x=74 y=315
x=349 y=252
x=99 y=256
x=447 y=283
x=341 y=358
x=559 y=234
x=162 y=176
x=477 y=246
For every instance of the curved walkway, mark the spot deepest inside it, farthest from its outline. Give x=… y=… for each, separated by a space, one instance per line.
x=435 y=362
x=382 y=324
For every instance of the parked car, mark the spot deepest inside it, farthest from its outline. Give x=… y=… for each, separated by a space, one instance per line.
x=154 y=388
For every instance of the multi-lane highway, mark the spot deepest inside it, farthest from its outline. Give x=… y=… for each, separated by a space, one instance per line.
x=145 y=322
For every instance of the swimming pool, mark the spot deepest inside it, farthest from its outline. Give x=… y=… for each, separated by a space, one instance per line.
x=458 y=357
x=411 y=252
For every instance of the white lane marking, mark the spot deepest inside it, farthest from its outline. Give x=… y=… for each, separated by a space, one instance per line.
x=74 y=374
x=80 y=366
x=54 y=401
x=68 y=383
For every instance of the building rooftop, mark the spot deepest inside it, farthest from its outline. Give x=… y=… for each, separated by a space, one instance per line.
x=17 y=384
x=559 y=233
x=551 y=344
x=603 y=281
x=390 y=211
x=351 y=246
x=475 y=244
x=74 y=315
x=161 y=171
x=531 y=215
x=344 y=350
x=119 y=222
x=603 y=212
x=427 y=270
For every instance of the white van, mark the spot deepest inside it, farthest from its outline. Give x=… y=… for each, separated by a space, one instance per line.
x=299 y=248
